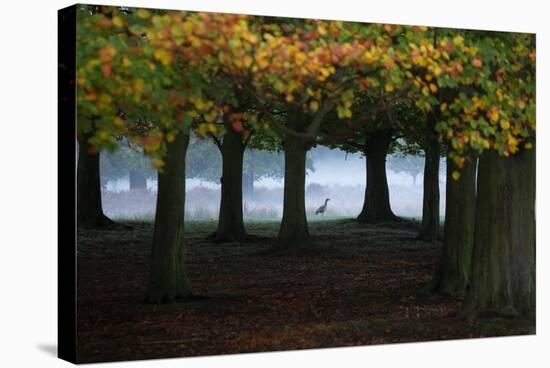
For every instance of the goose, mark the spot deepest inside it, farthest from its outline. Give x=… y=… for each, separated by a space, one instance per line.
x=321 y=210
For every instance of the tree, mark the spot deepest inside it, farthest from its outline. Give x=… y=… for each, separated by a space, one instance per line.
x=89 y=207
x=127 y=161
x=495 y=119
x=314 y=68
x=503 y=275
x=475 y=90
x=454 y=273
x=168 y=281
x=376 y=207
x=371 y=132
x=262 y=159
x=231 y=224
x=429 y=229
x=125 y=65
x=235 y=168
x=409 y=164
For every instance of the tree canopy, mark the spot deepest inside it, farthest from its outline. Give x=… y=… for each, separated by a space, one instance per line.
x=149 y=74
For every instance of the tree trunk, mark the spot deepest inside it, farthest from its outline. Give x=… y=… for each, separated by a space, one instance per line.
x=168 y=279
x=294 y=232
x=137 y=180
x=230 y=223
x=454 y=273
x=503 y=274
x=89 y=208
x=376 y=206
x=429 y=230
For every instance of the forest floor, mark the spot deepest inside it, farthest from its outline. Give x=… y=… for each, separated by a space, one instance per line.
x=362 y=288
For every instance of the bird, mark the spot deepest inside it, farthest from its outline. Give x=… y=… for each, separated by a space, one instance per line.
x=321 y=210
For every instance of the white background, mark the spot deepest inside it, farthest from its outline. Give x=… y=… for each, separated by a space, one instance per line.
x=28 y=182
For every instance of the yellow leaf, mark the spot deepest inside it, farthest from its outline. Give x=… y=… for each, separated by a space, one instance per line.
x=314 y=105
x=119 y=122
x=443 y=106
x=117 y=21
x=247 y=61
x=203 y=129
x=157 y=163
x=163 y=56
x=389 y=87
x=104 y=135
x=456 y=175
x=425 y=91
x=505 y=124
x=433 y=88
x=494 y=115
x=187 y=27
x=143 y=14
x=138 y=85
x=528 y=145
x=458 y=40
x=126 y=62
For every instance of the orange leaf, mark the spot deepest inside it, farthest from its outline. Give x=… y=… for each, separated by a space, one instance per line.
x=237 y=126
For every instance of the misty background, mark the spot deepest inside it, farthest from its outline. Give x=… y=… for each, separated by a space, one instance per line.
x=331 y=174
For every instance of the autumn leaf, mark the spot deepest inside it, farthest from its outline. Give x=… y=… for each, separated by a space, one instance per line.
x=237 y=126
x=505 y=124
x=314 y=105
x=163 y=56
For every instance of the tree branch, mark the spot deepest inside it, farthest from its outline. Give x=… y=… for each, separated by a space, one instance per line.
x=272 y=118
x=245 y=143
x=318 y=119
x=216 y=140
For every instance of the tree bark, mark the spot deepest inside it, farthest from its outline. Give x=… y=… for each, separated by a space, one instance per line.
x=376 y=205
x=138 y=181
x=455 y=269
x=168 y=278
x=230 y=222
x=294 y=232
x=503 y=274
x=89 y=207
x=429 y=230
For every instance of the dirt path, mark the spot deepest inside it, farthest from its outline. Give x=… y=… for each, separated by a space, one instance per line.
x=361 y=289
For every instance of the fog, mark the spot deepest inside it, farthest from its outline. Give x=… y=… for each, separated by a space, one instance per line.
x=333 y=174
